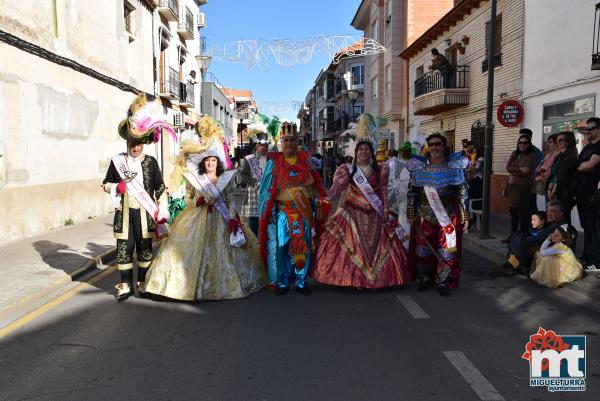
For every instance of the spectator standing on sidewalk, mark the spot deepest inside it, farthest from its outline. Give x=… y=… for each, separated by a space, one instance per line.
x=562 y=172
x=585 y=185
x=539 y=156
x=544 y=169
x=519 y=166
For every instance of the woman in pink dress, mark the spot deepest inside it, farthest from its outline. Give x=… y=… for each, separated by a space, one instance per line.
x=356 y=248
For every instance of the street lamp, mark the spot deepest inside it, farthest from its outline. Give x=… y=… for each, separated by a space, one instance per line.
x=203 y=61
x=353 y=95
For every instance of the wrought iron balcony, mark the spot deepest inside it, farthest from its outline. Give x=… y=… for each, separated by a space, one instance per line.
x=187 y=94
x=169 y=86
x=185 y=26
x=438 y=91
x=169 y=9
x=497 y=62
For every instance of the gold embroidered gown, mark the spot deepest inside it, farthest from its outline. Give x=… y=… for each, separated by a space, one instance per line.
x=356 y=249
x=555 y=265
x=197 y=261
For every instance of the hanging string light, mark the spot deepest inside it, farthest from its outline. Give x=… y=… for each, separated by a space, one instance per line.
x=290 y=52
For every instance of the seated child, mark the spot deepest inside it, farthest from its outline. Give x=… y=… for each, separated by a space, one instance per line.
x=538 y=224
x=555 y=264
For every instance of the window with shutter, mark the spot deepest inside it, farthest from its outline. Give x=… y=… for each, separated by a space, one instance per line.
x=497 y=59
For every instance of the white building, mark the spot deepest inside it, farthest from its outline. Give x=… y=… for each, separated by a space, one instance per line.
x=68 y=72
x=560 y=90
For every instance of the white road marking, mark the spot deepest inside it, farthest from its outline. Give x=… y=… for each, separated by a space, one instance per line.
x=412 y=307
x=469 y=372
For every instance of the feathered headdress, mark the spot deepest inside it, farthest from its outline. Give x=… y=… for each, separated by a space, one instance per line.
x=146 y=123
x=212 y=139
x=368 y=129
x=272 y=124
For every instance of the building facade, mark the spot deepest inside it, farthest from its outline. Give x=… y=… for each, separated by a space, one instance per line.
x=335 y=100
x=179 y=24
x=61 y=99
x=395 y=24
x=456 y=105
x=243 y=104
x=559 y=93
x=216 y=104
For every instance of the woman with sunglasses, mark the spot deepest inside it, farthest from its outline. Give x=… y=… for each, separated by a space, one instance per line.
x=562 y=172
x=519 y=166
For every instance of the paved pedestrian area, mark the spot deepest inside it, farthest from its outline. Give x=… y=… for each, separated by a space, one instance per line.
x=35 y=266
x=585 y=291
x=337 y=344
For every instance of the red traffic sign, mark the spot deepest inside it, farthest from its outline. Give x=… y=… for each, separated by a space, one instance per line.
x=510 y=113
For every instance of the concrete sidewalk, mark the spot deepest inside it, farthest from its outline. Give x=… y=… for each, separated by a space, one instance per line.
x=34 y=267
x=584 y=292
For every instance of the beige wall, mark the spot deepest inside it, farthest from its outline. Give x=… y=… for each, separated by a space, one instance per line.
x=399 y=23
x=507 y=77
x=57 y=125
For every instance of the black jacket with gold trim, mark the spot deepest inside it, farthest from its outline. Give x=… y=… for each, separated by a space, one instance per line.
x=153 y=184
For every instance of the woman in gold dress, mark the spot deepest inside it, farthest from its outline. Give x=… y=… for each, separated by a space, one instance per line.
x=197 y=261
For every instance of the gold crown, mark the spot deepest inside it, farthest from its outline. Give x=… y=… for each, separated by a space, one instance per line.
x=288 y=129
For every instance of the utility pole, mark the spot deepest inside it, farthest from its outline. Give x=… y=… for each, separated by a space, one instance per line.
x=489 y=127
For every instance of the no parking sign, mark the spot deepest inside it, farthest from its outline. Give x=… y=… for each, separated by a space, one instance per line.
x=510 y=113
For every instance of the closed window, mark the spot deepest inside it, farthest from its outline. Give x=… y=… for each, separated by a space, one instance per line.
x=374 y=87
x=358 y=72
x=388 y=78
x=419 y=71
x=128 y=13
x=375 y=30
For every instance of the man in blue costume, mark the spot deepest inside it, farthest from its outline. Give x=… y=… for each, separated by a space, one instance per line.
x=291 y=204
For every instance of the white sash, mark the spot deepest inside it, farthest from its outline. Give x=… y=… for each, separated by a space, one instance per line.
x=363 y=184
x=135 y=188
x=203 y=183
x=254 y=167
x=440 y=213
x=365 y=188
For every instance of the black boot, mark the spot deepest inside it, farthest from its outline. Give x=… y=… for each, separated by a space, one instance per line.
x=423 y=283
x=444 y=291
x=303 y=290
x=281 y=290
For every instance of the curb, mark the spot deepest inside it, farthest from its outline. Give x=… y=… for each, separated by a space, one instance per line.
x=93 y=264
x=481 y=249
x=26 y=304
x=582 y=292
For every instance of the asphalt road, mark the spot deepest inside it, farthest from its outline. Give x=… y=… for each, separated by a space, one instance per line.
x=337 y=344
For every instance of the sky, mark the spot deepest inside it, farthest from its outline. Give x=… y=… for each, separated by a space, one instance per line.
x=233 y=20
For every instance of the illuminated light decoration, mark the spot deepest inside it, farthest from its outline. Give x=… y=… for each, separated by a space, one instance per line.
x=279 y=108
x=364 y=47
x=290 y=52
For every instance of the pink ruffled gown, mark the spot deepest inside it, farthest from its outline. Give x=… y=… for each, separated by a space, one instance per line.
x=356 y=249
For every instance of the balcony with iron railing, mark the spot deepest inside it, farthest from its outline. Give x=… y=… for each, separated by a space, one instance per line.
x=187 y=94
x=169 y=85
x=185 y=26
x=169 y=9
x=438 y=91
